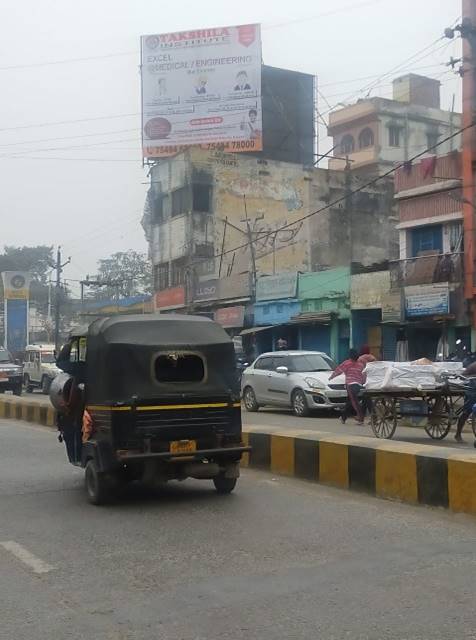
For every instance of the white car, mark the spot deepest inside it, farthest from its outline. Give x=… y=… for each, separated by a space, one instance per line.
x=39 y=368
x=295 y=379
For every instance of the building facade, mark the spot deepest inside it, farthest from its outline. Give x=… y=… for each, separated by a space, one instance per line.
x=429 y=275
x=375 y=133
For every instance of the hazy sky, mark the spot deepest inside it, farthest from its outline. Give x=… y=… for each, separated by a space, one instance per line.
x=81 y=183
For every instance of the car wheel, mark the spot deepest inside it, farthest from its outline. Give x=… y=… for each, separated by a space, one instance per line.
x=96 y=483
x=27 y=384
x=224 y=485
x=250 y=399
x=45 y=385
x=299 y=404
x=18 y=390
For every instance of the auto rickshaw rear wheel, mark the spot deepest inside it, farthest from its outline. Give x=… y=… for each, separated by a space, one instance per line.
x=224 y=485
x=98 y=486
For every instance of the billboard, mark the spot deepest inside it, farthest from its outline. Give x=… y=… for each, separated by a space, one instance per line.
x=201 y=87
x=16 y=285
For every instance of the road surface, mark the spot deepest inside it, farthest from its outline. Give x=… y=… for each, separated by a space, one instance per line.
x=279 y=559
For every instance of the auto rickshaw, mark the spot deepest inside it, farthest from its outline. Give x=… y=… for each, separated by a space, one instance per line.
x=152 y=398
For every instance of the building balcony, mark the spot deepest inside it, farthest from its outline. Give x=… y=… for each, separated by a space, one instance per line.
x=443 y=267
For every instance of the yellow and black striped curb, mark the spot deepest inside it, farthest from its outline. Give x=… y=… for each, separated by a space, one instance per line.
x=18 y=409
x=418 y=474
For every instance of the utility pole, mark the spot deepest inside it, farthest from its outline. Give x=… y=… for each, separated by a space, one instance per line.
x=249 y=234
x=467 y=30
x=59 y=269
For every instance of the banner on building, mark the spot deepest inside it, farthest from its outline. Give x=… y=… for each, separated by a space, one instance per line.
x=427 y=300
x=201 y=87
x=173 y=298
x=283 y=285
x=205 y=291
x=230 y=317
x=16 y=285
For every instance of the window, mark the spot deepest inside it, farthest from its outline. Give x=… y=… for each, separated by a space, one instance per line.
x=179 y=367
x=394 y=136
x=206 y=267
x=162 y=276
x=427 y=240
x=311 y=362
x=158 y=209
x=265 y=363
x=48 y=358
x=366 y=138
x=178 y=272
x=180 y=201
x=201 y=196
x=4 y=356
x=431 y=139
x=347 y=144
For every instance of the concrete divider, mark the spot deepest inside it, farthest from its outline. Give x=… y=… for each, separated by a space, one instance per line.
x=20 y=409
x=415 y=473
x=418 y=474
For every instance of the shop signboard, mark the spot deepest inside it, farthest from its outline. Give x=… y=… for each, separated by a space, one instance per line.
x=173 y=298
x=392 y=306
x=277 y=287
x=207 y=290
x=427 y=300
x=230 y=317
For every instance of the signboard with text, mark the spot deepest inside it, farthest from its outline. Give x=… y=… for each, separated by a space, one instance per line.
x=427 y=300
x=207 y=290
x=230 y=317
x=172 y=298
x=283 y=285
x=201 y=87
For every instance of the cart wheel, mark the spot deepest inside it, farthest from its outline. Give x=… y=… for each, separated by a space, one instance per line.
x=439 y=418
x=383 y=418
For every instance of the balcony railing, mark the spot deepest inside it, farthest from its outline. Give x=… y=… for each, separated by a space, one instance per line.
x=443 y=267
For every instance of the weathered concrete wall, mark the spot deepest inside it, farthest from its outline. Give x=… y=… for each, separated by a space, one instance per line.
x=359 y=230
x=271 y=194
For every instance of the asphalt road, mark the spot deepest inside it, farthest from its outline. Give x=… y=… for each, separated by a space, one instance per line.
x=278 y=559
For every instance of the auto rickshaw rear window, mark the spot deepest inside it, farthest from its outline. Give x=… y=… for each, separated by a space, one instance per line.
x=179 y=367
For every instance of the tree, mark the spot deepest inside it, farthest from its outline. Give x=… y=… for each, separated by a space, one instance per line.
x=37 y=260
x=125 y=274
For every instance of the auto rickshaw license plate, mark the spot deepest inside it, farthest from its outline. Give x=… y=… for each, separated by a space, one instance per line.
x=183 y=446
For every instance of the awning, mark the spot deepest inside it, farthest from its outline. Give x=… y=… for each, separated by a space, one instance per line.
x=323 y=317
x=256 y=329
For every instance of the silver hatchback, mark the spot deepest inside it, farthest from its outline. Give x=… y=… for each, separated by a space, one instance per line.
x=294 y=379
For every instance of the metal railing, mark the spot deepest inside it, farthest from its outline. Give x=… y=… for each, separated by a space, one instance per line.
x=442 y=267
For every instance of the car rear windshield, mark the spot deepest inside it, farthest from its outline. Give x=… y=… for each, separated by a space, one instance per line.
x=4 y=356
x=48 y=358
x=311 y=362
x=179 y=367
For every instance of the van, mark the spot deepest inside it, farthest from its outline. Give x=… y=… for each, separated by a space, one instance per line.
x=39 y=368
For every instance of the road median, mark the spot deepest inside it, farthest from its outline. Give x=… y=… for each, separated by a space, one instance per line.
x=413 y=473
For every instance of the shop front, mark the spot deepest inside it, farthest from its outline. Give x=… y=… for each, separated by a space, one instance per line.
x=325 y=312
x=276 y=303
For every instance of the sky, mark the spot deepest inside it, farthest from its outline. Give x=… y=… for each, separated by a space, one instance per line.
x=70 y=159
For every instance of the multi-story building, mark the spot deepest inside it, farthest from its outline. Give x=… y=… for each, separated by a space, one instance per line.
x=427 y=281
x=375 y=133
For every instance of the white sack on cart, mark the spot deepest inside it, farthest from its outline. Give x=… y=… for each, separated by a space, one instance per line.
x=400 y=375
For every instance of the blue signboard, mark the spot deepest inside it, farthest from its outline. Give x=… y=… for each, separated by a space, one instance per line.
x=16 y=315
x=431 y=300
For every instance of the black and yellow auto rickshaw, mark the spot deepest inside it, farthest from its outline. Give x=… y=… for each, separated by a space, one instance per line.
x=151 y=397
